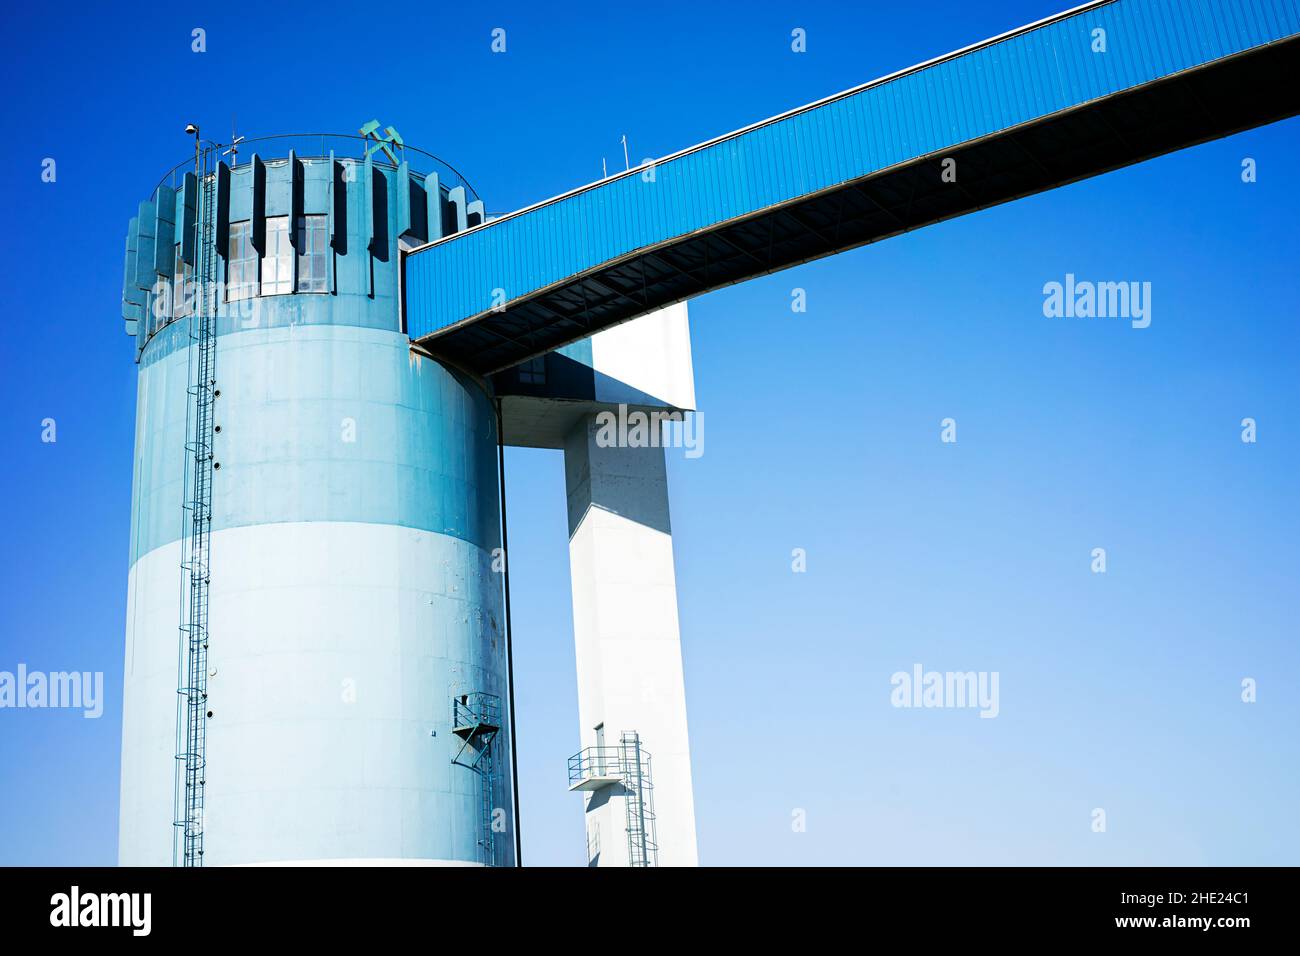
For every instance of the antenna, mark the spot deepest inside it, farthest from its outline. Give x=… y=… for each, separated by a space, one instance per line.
x=604 y=173
x=626 y=164
x=233 y=151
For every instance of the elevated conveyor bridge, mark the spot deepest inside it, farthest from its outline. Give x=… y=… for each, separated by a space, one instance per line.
x=1092 y=89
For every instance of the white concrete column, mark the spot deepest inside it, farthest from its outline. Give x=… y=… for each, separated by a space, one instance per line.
x=626 y=630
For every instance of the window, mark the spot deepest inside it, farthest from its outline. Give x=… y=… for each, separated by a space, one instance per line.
x=160 y=304
x=311 y=254
x=533 y=372
x=241 y=263
x=183 y=286
x=277 y=264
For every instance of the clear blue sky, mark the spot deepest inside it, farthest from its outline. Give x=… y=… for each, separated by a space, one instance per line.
x=1119 y=691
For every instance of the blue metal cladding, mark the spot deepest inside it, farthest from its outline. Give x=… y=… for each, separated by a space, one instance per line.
x=984 y=91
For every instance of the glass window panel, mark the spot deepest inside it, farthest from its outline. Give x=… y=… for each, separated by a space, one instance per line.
x=311 y=255
x=277 y=264
x=241 y=263
x=183 y=287
x=160 y=305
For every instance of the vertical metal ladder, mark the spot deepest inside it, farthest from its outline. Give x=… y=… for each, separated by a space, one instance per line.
x=476 y=720
x=192 y=690
x=638 y=802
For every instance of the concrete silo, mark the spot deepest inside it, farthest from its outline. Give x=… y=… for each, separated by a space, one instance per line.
x=318 y=662
x=326 y=501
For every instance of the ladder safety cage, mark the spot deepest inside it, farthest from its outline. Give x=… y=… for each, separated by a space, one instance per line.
x=196 y=532
x=642 y=840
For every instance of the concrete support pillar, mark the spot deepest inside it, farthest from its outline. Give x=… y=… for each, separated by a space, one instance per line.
x=628 y=642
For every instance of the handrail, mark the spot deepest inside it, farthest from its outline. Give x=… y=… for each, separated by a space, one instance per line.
x=604 y=761
x=440 y=165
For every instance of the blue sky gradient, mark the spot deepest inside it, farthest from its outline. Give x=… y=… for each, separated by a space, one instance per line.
x=1119 y=691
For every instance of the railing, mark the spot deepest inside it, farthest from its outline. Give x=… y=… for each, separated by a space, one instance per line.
x=476 y=709
x=319 y=146
x=592 y=762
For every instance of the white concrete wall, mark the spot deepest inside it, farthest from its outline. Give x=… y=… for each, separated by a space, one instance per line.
x=647 y=356
x=626 y=631
x=337 y=647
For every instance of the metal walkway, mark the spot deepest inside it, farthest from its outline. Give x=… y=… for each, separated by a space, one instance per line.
x=1039 y=107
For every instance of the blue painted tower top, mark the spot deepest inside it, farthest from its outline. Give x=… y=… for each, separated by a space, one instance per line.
x=308 y=231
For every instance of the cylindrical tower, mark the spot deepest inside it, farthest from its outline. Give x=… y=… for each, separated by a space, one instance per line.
x=355 y=689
